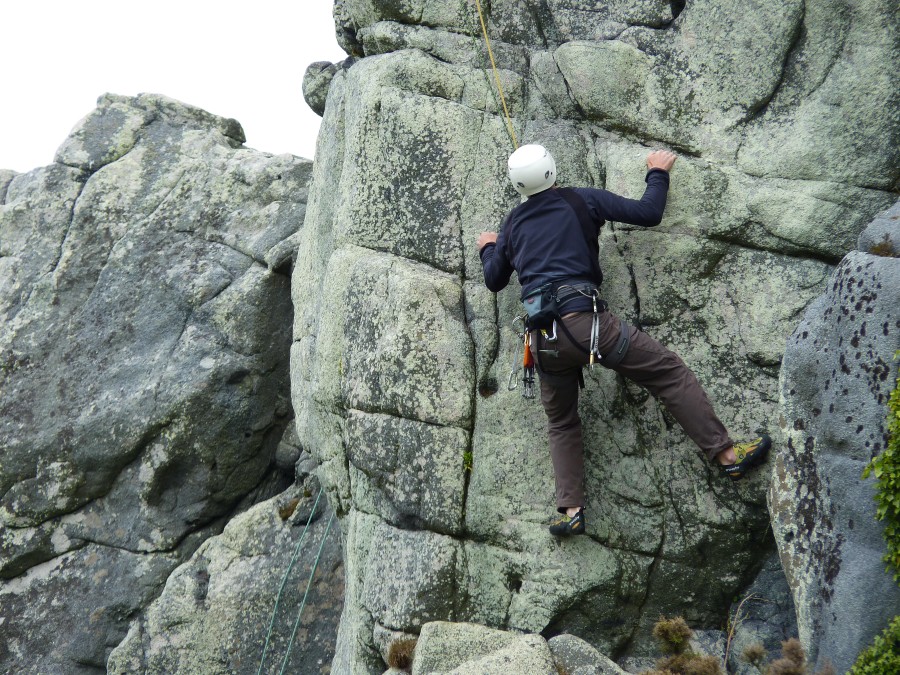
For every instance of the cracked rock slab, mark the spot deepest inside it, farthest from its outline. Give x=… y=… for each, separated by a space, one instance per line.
x=215 y=611
x=144 y=340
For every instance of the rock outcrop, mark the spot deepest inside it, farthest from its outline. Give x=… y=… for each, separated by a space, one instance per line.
x=400 y=358
x=145 y=321
x=839 y=370
x=155 y=490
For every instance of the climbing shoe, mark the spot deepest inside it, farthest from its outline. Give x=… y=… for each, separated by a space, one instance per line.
x=748 y=455
x=567 y=525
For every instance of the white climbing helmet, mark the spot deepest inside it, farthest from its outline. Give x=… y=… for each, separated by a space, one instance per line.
x=531 y=169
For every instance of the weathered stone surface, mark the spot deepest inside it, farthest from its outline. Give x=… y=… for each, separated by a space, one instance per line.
x=316 y=81
x=215 y=611
x=144 y=335
x=577 y=657
x=410 y=168
x=528 y=654
x=65 y=615
x=467 y=649
x=837 y=375
x=836 y=64
x=6 y=177
x=443 y=645
x=392 y=476
x=398 y=556
x=882 y=235
x=764 y=615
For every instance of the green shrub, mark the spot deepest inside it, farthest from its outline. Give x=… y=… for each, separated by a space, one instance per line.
x=886 y=468
x=883 y=657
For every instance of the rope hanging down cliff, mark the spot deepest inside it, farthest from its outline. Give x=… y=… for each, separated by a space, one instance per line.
x=287 y=572
x=487 y=42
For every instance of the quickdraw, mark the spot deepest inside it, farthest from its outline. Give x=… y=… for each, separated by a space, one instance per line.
x=527 y=365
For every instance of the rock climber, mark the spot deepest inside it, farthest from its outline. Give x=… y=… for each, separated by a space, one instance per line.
x=550 y=241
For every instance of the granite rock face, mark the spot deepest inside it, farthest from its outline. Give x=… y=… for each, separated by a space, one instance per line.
x=216 y=611
x=400 y=355
x=145 y=321
x=469 y=649
x=839 y=369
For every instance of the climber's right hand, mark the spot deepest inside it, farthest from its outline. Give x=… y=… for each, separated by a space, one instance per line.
x=661 y=159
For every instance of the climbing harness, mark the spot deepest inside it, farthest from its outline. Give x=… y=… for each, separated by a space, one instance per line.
x=487 y=42
x=547 y=336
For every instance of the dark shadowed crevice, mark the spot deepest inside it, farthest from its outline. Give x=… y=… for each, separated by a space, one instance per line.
x=677 y=7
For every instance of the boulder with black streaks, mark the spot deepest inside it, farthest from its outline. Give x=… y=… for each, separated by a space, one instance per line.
x=839 y=369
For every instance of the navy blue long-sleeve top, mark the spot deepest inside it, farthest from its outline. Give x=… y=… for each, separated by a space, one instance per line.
x=542 y=239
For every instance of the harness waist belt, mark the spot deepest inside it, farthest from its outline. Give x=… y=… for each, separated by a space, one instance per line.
x=577 y=289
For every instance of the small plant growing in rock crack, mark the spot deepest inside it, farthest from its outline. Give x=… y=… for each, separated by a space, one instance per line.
x=401 y=652
x=674 y=635
x=467 y=461
x=793 y=661
x=884 y=248
x=755 y=655
x=734 y=622
x=287 y=510
x=886 y=468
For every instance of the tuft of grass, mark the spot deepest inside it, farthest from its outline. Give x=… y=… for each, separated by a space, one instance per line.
x=674 y=634
x=884 y=248
x=792 y=661
x=401 y=652
x=688 y=663
x=288 y=509
x=467 y=461
x=755 y=654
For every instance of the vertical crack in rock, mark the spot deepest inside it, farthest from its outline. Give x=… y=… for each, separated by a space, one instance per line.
x=637 y=298
x=651 y=573
x=65 y=238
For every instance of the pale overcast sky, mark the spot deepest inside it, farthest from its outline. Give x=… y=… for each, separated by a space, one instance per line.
x=236 y=59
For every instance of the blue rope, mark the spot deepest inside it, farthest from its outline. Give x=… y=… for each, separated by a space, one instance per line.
x=287 y=654
x=284 y=580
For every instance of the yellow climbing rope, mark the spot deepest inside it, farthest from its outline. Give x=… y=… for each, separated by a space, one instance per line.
x=487 y=41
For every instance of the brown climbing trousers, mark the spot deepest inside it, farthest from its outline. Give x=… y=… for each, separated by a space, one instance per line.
x=647 y=363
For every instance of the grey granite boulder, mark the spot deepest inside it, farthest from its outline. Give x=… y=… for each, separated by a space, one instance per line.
x=144 y=333
x=400 y=356
x=882 y=235
x=215 y=613
x=6 y=177
x=839 y=370
x=576 y=657
x=316 y=81
x=470 y=649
